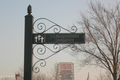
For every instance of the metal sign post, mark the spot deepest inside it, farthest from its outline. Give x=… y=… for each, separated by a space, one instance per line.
x=28 y=45
x=40 y=39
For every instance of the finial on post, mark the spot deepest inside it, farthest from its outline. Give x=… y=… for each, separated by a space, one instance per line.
x=29 y=9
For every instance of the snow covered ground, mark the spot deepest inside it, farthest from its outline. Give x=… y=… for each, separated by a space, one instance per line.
x=7 y=77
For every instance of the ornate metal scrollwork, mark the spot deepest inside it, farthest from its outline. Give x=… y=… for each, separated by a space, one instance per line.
x=39 y=50
x=73 y=47
x=73 y=29
x=36 y=69
x=40 y=27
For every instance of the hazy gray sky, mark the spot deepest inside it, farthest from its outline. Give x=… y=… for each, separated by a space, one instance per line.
x=62 y=12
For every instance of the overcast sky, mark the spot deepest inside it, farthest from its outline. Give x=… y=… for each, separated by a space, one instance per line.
x=63 y=12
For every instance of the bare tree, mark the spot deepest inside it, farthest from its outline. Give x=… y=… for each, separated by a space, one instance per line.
x=41 y=76
x=102 y=30
x=54 y=72
x=19 y=73
x=105 y=76
x=52 y=75
x=88 y=77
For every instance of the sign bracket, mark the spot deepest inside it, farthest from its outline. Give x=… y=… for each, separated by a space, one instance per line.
x=37 y=37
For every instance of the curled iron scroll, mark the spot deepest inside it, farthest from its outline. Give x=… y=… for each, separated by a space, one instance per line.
x=39 y=50
x=73 y=29
x=73 y=47
x=41 y=62
x=40 y=26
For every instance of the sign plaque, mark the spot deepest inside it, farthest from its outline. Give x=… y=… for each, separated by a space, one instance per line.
x=60 y=38
x=65 y=71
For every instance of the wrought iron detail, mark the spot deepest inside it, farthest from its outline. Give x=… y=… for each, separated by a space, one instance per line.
x=39 y=50
x=73 y=47
x=39 y=26
x=36 y=69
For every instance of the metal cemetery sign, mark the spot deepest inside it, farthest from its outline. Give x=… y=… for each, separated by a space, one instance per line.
x=61 y=38
x=65 y=71
x=37 y=39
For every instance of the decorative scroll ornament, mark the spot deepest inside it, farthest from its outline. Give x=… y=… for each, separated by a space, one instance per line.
x=73 y=29
x=29 y=9
x=42 y=26
x=41 y=49
x=41 y=62
x=73 y=47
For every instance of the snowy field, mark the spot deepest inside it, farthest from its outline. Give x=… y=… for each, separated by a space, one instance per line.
x=7 y=77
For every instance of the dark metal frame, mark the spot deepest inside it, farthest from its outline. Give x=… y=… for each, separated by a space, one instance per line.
x=28 y=45
x=40 y=49
x=41 y=26
x=57 y=28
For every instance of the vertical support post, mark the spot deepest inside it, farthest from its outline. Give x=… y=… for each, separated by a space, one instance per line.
x=28 y=45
